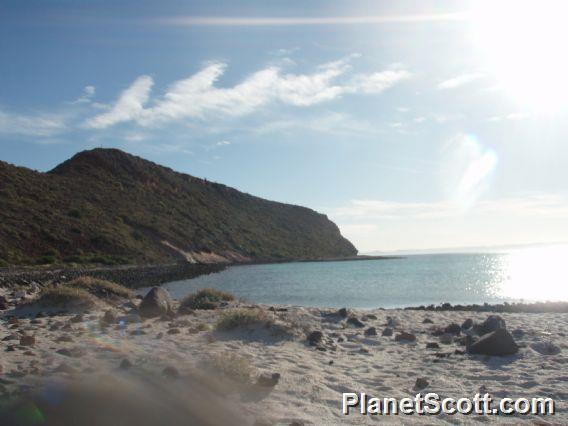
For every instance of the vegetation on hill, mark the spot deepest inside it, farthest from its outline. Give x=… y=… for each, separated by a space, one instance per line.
x=107 y=206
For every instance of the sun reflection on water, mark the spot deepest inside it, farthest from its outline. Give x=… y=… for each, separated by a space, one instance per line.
x=536 y=274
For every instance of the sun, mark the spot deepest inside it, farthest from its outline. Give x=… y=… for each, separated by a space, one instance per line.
x=523 y=43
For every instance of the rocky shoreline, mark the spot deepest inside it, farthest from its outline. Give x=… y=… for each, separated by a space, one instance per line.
x=131 y=276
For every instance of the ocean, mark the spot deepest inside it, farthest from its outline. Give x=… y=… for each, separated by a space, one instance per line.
x=536 y=274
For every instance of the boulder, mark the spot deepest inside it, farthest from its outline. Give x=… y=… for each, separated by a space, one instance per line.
x=315 y=338
x=492 y=323
x=371 y=331
x=387 y=332
x=156 y=303
x=446 y=338
x=427 y=321
x=421 y=383
x=453 y=328
x=268 y=380
x=545 y=348
x=496 y=343
x=432 y=345
x=355 y=322
x=467 y=324
x=343 y=313
x=403 y=336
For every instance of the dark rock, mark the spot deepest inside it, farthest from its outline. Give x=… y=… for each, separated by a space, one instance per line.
x=496 y=343
x=75 y=352
x=492 y=323
x=171 y=372
x=268 y=380
x=453 y=328
x=355 y=322
x=371 y=331
x=315 y=338
x=467 y=324
x=432 y=345
x=108 y=318
x=545 y=348
x=437 y=332
x=392 y=322
x=421 y=383
x=174 y=331
x=156 y=303
x=343 y=313
x=446 y=339
x=403 y=336
x=387 y=332
x=518 y=333
x=125 y=364
x=27 y=340
x=427 y=321
x=459 y=352
x=369 y=317
x=77 y=318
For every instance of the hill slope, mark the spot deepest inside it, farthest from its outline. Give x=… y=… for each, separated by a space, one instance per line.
x=108 y=206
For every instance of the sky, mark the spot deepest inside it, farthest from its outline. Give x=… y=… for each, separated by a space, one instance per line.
x=411 y=124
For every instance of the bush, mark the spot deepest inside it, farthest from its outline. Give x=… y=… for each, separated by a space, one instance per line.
x=235 y=318
x=65 y=296
x=3 y=263
x=206 y=298
x=100 y=288
x=231 y=366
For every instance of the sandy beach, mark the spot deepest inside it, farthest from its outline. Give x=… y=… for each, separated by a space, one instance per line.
x=47 y=347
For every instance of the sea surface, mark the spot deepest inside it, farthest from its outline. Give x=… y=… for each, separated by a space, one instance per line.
x=536 y=274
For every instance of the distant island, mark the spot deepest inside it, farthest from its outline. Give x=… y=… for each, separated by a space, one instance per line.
x=108 y=207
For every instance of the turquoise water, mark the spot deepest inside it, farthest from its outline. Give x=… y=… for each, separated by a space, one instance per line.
x=529 y=275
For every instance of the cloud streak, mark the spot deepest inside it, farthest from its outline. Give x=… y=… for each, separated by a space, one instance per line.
x=198 y=95
x=459 y=81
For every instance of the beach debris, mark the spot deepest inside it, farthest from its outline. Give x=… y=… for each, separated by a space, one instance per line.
x=268 y=380
x=27 y=340
x=453 y=328
x=403 y=336
x=355 y=322
x=371 y=331
x=467 y=324
x=343 y=313
x=157 y=302
x=496 y=343
x=492 y=323
x=315 y=338
x=387 y=332
x=545 y=348
x=421 y=383
x=432 y=345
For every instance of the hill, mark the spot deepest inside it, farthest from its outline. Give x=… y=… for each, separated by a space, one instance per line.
x=107 y=206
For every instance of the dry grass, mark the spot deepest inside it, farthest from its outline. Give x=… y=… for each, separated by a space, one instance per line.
x=206 y=298
x=102 y=289
x=236 y=318
x=231 y=366
x=65 y=296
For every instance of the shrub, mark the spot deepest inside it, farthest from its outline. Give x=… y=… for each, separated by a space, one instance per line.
x=206 y=298
x=100 y=288
x=235 y=318
x=231 y=366
x=65 y=296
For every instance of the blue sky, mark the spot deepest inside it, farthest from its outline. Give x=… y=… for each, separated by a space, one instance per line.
x=411 y=124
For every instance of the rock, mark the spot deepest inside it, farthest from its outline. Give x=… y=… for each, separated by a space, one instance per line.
x=459 y=352
x=467 y=324
x=268 y=380
x=432 y=345
x=497 y=343
x=421 y=383
x=371 y=331
x=171 y=372
x=4 y=303
x=77 y=318
x=75 y=352
x=174 y=331
x=13 y=321
x=315 y=338
x=125 y=364
x=108 y=318
x=545 y=348
x=387 y=332
x=64 y=338
x=453 y=328
x=343 y=313
x=65 y=368
x=27 y=340
x=437 y=332
x=403 y=336
x=156 y=303
x=355 y=322
x=427 y=321
x=369 y=317
x=518 y=333
x=446 y=339
x=492 y=323
x=392 y=322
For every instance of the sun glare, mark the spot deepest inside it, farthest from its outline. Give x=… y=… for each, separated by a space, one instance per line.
x=524 y=44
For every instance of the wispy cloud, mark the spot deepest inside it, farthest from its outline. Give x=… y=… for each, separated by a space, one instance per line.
x=318 y=20
x=459 y=80
x=198 y=96
x=41 y=125
x=88 y=93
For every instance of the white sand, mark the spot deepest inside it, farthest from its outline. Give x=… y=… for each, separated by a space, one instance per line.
x=310 y=389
